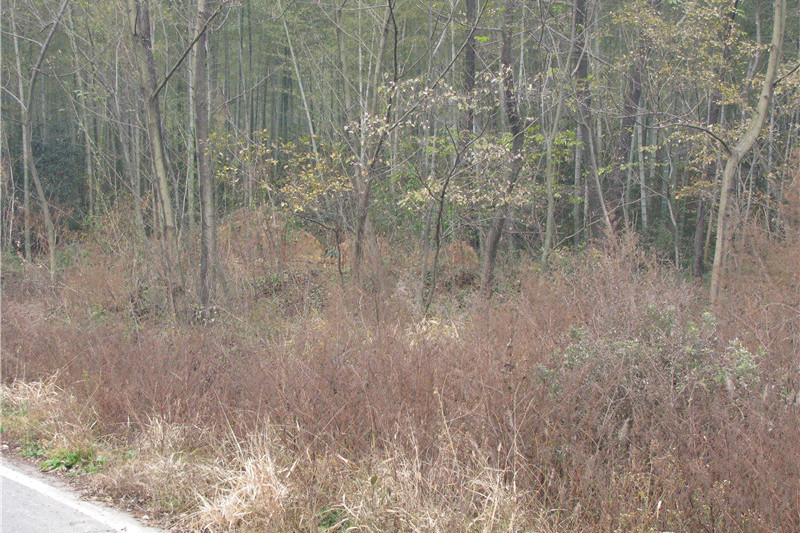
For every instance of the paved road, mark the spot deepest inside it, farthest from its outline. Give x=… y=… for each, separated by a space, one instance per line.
x=30 y=503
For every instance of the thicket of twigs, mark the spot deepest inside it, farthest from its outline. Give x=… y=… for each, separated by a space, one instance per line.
x=600 y=395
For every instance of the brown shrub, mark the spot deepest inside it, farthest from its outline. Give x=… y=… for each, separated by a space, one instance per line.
x=460 y=255
x=99 y=280
x=252 y=242
x=375 y=251
x=602 y=397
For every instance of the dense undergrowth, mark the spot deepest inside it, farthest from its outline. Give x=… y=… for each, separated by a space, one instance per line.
x=600 y=395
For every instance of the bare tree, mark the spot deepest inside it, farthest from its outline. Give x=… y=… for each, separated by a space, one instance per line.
x=207 y=206
x=745 y=144
x=139 y=28
x=517 y=131
x=25 y=101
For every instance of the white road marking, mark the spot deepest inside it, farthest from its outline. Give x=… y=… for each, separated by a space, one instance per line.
x=108 y=517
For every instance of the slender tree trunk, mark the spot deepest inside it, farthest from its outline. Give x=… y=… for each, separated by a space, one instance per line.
x=582 y=94
x=593 y=197
x=312 y=135
x=207 y=207
x=469 y=65
x=84 y=119
x=48 y=221
x=26 y=100
x=366 y=171
x=628 y=186
x=346 y=83
x=518 y=140
x=190 y=227
x=642 y=171
x=139 y=20
x=136 y=177
x=128 y=141
x=578 y=198
x=242 y=87
x=26 y=189
x=550 y=182
x=252 y=95
x=594 y=168
x=549 y=170
x=427 y=299
x=715 y=116
x=698 y=239
x=667 y=178
x=624 y=140
x=7 y=192
x=737 y=153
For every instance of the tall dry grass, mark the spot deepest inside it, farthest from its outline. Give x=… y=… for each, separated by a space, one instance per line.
x=602 y=395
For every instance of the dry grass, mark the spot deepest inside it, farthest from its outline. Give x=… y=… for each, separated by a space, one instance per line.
x=50 y=425
x=600 y=396
x=40 y=413
x=251 y=487
x=159 y=467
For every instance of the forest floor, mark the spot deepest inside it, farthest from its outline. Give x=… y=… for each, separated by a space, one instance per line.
x=601 y=394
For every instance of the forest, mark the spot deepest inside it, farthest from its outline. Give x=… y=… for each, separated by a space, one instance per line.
x=385 y=265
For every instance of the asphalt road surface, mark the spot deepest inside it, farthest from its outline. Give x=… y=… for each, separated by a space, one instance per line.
x=31 y=503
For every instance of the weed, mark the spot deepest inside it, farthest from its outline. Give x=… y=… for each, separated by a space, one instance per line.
x=74 y=461
x=595 y=396
x=332 y=520
x=32 y=449
x=11 y=260
x=739 y=366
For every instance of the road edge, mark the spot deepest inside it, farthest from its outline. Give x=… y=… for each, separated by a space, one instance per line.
x=110 y=517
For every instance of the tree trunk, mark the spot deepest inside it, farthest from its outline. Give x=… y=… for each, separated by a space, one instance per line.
x=26 y=188
x=737 y=153
x=189 y=218
x=549 y=171
x=518 y=140
x=642 y=179
x=715 y=116
x=593 y=197
x=469 y=65
x=550 y=182
x=139 y=20
x=311 y=134
x=26 y=100
x=622 y=145
x=207 y=207
x=698 y=242
x=346 y=83
x=83 y=116
x=366 y=171
x=578 y=199
x=582 y=94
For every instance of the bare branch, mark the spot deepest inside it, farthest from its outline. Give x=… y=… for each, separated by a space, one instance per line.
x=188 y=49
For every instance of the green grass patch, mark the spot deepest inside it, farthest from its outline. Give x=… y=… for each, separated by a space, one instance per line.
x=85 y=461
